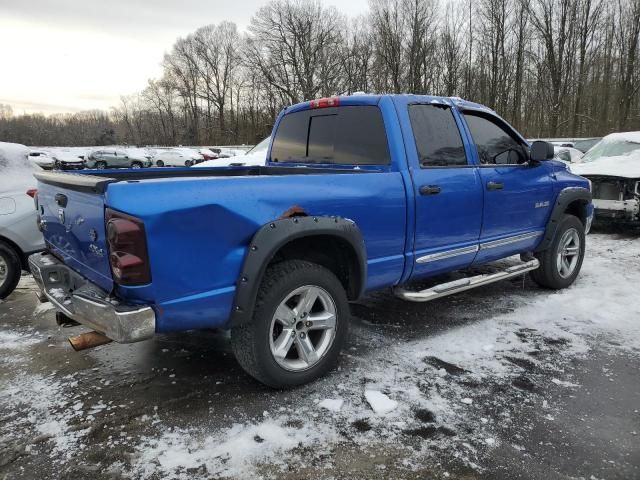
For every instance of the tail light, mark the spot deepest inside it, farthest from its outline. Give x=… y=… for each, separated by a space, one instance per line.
x=128 y=254
x=33 y=193
x=325 y=102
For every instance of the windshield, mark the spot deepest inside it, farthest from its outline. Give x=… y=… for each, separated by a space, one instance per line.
x=263 y=146
x=611 y=148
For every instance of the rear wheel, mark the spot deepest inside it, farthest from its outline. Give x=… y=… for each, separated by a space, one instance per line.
x=188 y=163
x=10 y=269
x=101 y=165
x=560 y=264
x=136 y=165
x=299 y=325
x=159 y=163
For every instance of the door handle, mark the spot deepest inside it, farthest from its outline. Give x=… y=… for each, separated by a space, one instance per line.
x=495 y=185
x=429 y=190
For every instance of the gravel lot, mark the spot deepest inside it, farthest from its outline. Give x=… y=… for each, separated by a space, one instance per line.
x=506 y=381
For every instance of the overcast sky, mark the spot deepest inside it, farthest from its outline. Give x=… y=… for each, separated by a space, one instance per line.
x=71 y=55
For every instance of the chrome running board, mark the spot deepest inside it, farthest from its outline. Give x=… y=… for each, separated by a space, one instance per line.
x=468 y=283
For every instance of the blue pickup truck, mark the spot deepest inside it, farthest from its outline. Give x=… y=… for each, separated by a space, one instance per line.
x=359 y=193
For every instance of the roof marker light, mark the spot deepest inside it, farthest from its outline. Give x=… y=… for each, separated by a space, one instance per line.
x=325 y=102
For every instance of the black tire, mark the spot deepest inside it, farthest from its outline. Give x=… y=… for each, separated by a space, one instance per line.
x=188 y=163
x=548 y=275
x=10 y=263
x=159 y=163
x=251 y=342
x=136 y=165
x=100 y=165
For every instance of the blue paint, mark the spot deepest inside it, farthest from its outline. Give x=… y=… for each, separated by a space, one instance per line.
x=199 y=228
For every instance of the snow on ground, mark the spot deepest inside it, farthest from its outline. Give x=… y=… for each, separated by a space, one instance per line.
x=437 y=388
x=437 y=394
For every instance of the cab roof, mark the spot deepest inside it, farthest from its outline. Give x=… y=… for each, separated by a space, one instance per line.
x=373 y=99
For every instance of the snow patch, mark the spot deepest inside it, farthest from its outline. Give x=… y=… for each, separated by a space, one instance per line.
x=333 y=405
x=379 y=402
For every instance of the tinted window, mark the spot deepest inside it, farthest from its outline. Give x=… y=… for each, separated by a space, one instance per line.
x=350 y=135
x=437 y=136
x=495 y=145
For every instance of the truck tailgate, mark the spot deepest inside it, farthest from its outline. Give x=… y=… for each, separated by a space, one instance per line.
x=71 y=209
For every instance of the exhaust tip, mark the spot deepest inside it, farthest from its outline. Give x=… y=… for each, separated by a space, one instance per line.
x=88 y=340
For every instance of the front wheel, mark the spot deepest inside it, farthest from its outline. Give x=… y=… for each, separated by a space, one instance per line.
x=299 y=325
x=560 y=264
x=136 y=165
x=159 y=163
x=10 y=270
x=100 y=165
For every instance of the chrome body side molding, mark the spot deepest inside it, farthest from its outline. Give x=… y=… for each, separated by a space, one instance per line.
x=434 y=257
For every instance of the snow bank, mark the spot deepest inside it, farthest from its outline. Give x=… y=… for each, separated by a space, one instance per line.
x=16 y=172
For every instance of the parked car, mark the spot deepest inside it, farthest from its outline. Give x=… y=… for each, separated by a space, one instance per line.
x=207 y=154
x=42 y=159
x=19 y=234
x=112 y=158
x=177 y=158
x=567 y=154
x=359 y=193
x=67 y=161
x=613 y=167
x=256 y=156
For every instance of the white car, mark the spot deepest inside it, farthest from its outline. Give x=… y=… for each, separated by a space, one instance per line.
x=42 y=159
x=177 y=158
x=19 y=234
x=613 y=167
x=254 y=157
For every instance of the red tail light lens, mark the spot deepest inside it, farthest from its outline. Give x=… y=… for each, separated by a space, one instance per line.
x=32 y=192
x=127 y=249
x=325 y=102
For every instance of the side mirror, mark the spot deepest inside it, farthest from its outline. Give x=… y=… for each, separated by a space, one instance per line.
x=541 y=151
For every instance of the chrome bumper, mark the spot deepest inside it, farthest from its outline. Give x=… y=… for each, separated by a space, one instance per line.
x=88 y=304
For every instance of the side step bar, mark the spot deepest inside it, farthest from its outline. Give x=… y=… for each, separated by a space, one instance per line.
x=463 y=284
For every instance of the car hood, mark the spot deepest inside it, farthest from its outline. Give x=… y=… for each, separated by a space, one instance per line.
x=627 y=166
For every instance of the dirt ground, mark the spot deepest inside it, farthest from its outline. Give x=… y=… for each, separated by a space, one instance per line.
x=500 y=382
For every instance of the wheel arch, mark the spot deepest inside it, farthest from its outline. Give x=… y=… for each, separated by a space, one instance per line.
x=572 y=200
x=333 y=242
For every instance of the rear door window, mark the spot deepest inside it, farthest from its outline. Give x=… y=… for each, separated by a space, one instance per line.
x=437 y=136
x=348 y=135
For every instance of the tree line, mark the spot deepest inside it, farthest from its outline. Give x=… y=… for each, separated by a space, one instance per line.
x=552 y=68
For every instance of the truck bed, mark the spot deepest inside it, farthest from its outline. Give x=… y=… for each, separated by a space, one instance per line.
x=96 y=181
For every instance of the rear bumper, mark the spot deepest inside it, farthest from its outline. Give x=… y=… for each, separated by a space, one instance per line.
x=88 y=304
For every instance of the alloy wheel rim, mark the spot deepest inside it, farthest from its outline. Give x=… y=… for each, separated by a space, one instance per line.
x=303 y=328
x=568 y=253
x=4 y=271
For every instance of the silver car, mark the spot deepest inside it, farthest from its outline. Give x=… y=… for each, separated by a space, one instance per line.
x=113 y=158
x=19 y=234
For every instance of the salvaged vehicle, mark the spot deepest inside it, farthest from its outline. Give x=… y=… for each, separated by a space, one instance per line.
x=613 y=167
x=359 y=193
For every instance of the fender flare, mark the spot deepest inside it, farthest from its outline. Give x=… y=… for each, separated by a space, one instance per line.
x=565 y=198
x=271 y=237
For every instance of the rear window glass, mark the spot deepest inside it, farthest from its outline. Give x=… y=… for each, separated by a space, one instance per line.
x=437 y=136
x=349 y=135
